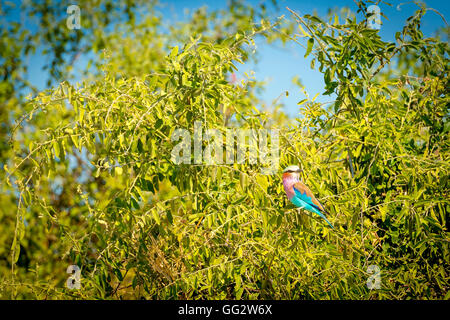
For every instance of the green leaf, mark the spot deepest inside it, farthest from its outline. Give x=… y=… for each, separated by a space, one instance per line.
x=169 y=217
x=302 y=102
x=56 y=148
x=118 y=171
x=173 y=52
x=309 y=46
x=155 y=215
x=306 y=34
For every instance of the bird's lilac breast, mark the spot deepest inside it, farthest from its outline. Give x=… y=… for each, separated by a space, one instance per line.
x=288 y=184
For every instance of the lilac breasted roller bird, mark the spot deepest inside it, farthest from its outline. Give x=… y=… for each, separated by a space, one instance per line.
x=299 y=194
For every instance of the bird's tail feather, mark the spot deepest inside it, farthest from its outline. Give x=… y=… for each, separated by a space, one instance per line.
x=325 y=218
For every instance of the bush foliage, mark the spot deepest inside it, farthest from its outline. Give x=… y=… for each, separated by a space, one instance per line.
x=89 y=178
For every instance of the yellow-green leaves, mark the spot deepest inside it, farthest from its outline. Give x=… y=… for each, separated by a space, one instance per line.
x=309 y=47
x=302 y=101
x=173 y=52
x=57 y=148
x=118 y=171
x=304 y=33
x=18 y=236
x=100 y=189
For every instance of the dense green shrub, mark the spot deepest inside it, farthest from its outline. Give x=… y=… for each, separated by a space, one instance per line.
x=95 y=185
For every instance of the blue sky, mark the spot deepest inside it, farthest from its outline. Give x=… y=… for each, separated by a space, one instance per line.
x=278 y=65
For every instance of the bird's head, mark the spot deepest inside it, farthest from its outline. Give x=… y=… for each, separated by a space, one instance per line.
x=292 y=171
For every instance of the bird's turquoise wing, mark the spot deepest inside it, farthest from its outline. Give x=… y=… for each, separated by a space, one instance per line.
x=305 y=199
x=303 y=192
